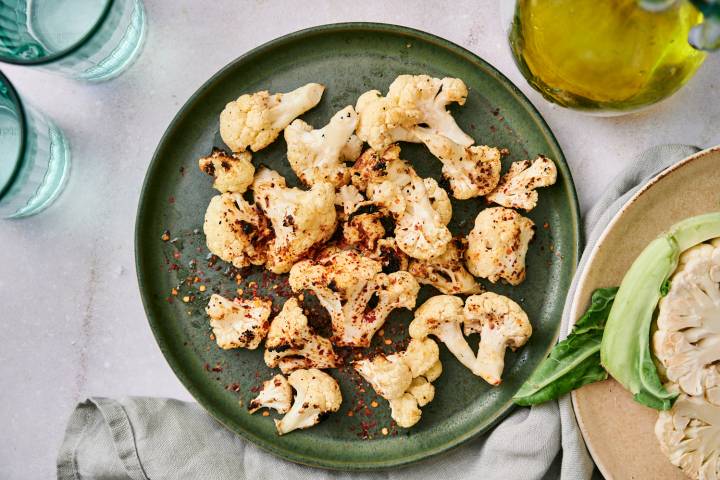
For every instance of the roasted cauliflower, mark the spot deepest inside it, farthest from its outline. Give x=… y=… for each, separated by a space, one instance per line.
x=400 y=378
x=363 y=231
x=275 y=393
x=497 y=245
x=232 y=173
x=471 y=171
x=320 y=155
x=501 y=323
x=393 y=185
x=242 y=323
x=255 y=120
x=411 y=100
x=447 y=272
x=291 y=343
x=300 y=219
x=317 y=394
x=345 y=282
x=517 y=188
x=236 y=231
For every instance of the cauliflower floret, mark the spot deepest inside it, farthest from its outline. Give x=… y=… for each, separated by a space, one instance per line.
x=392 y=184
x=291 y=343
x=497 y=245
x=320 y=155
x=316 y=395
x=345 y=282
x=300 y=219
x=364 y=230
x=255 y=120
x=501 y=323
x=471 y=171
x=422 y=390
x=687 y=341
x=350 y=199
x=389 y=376
x=689 y=435
x=405 y=410
x=232 y=173
x=411 y=100
x=517 y=187
x=239 y=323
x=398 y=379
x=275 y=393
x=447 y=272
x=442 y=316
x=236 y=231
x=434 y=372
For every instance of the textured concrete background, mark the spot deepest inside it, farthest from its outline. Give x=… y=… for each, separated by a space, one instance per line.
x=73 y=323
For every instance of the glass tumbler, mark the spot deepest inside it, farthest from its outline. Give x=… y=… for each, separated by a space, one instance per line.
x=34 y=157
x=90 y=40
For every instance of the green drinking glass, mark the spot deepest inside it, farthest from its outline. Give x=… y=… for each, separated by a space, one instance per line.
x=34 y=157
x=90 y=40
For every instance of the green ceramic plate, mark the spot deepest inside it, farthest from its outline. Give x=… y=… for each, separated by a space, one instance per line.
x=349 y=59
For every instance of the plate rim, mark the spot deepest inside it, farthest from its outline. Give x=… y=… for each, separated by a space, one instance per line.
x=373 y=27
x=574 y=309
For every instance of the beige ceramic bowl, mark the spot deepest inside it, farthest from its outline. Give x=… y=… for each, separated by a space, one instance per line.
x=619 y=432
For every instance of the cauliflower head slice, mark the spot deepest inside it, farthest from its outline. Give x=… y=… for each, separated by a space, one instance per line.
x=233 y=173
x=236 y=231
x=275 y=393
x=317 y=394
x=447 y=272
x=501 y=323
x=497 y=245
x=517 y=189
x=687 y=340
x=300 y=219
x=689 y=435
x=471 y=171
x=442 y=317
x=320 y=155
x=255 y=120
x=239 y=323
x=291 y=343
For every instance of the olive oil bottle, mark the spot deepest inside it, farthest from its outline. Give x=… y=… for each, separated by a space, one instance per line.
x=606 y=56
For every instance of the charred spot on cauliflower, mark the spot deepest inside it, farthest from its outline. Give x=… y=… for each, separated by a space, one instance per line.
x=255 y=120
x=320 y=155
x=517 y=189
x=232 y=173
x=292 y=344
x=497 y=245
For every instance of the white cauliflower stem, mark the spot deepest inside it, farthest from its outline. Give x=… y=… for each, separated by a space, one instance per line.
x=393 y=185
x=442 y=316
x=517 y=187
x=291 y=343
x=320 y=155
x=275 y=393
x=411 y=100
x=236 y=231
x=345 y=282
x=447 y=272
x=471 y=171
x=501 y=323
x=316 y=394
x=300 y=219
x=403 y=378
x=239 y=323
x=497 y=245
x=233 y=173
x=255 y=120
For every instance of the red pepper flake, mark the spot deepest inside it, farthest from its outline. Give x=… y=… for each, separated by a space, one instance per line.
x=206 y=366
x=165 y=236
x=217 y=368
x=182 y=171
x=176 y=255
x=234 y=387
x=171 y=199
x=546 y=225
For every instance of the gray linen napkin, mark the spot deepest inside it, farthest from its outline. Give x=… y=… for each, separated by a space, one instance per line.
x=161 y=439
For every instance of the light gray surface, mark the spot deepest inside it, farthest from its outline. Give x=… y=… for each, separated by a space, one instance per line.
x=73 y=321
